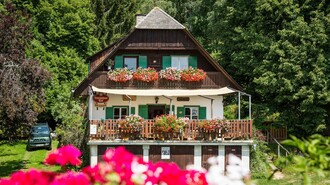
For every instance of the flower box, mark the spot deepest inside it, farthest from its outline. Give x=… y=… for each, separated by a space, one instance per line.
x=145 y=75
x=120 y=75
x=193 y=75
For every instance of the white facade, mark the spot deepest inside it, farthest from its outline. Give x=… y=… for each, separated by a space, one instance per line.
x=98 y=113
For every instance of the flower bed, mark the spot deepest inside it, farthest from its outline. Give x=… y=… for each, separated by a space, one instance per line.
x=171 y=74
x=145 y=75
x=193 y=75
x=120 y=75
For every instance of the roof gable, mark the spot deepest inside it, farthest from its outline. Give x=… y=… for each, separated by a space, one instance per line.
x=158 y=19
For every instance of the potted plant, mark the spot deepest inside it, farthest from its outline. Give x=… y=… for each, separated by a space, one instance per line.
x=131 y=126
x=211 y=129
x=167 y=125
x=121 y=75
x=193 y=75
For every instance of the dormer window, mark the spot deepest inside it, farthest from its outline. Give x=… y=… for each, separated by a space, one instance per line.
x=180 y=62
x=131 y=62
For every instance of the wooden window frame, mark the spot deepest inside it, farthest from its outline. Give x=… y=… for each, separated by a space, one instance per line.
x=186 y=56
x=120 y=112
x=191 y=106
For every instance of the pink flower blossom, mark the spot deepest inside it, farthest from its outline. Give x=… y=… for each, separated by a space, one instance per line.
x=71 y=178
x=63 y=156
x=31 y=177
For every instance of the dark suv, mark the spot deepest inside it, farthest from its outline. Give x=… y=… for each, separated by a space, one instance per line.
x=39 y=137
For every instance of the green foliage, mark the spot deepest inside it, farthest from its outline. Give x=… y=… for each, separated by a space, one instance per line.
x=114 y=19
x=21 y=78
x=314 y=155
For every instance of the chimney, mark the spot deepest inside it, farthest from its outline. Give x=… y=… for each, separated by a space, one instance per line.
x=139 y=18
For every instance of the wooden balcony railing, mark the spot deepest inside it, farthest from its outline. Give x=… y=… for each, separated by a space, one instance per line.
x=109 y=130
x=212 y=80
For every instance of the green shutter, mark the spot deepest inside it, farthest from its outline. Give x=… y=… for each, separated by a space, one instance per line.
x=202 y=112
x=193 y=61
x=109 y=113
x=132 y=110
x=119 y=62
x=166 y=62
x=143 y=61
x=143 y=111
x=180 y=112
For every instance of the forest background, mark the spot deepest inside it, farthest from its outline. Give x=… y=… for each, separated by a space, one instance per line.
x=278 y=51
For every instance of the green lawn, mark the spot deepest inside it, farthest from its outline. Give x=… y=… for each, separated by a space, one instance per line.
x=14 y=157
x=293 y=178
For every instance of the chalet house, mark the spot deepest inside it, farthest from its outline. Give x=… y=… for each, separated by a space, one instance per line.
x=159 y=41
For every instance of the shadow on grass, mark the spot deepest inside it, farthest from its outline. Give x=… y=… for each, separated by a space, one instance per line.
x=9 y=167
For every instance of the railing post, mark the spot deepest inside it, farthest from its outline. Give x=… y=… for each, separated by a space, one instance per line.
x=239 y=105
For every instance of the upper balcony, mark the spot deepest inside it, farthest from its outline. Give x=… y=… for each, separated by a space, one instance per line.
x=213 y=80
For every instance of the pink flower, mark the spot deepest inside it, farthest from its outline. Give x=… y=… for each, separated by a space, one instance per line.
x=31 y=177
x=71 y=178
x=63 y=156
x=98 y=172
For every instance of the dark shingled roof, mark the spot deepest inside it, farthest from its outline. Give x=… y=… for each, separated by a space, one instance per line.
x=158 y=19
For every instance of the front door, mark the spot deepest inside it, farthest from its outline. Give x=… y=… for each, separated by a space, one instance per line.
x=155 y=110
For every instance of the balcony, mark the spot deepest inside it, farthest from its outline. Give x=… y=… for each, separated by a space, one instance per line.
x=109 y=130
x=212 y=80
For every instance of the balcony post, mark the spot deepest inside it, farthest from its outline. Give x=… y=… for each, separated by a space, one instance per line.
x=250 y=107
x=129 y=104
x=239 y=105
x=90 y=103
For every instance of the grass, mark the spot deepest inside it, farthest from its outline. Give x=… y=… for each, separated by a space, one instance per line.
x=14 y=157
x=292 y=178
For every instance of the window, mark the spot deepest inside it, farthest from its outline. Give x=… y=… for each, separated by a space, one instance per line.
x=180 y=62
x=191 y=112
x=131 y=63
x=120 y=112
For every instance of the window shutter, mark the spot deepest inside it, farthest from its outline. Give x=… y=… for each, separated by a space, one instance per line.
x=119 y=62
x=180 y=112
x=193 y=61
x=143 y=111
x=143 y=61
x=166 y=62
x=109 y=113
x=132 y=110
x=202 y=112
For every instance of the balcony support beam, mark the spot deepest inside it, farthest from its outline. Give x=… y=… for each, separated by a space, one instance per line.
x=211 y=104
x=129 y=104
x=171 y=111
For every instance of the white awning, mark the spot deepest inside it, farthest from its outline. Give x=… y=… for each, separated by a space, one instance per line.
x=165 y=92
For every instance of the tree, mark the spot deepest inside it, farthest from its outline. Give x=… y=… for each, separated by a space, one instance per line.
x=114 y=19
x=278 y=51
x=21 y=79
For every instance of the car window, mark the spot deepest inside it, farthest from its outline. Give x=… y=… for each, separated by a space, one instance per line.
x=40 y=129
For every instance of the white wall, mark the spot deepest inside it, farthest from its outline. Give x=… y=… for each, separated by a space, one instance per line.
x=117 y=100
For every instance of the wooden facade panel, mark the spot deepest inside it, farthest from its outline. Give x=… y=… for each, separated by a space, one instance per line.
x=137 y=150
x=207 y=152
x=181 y=155
x=153 y=39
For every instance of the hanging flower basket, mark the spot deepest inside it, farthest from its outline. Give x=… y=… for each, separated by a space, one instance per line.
x=193 y=75
x=145 y=75
x=120 y=75
x=171 y=74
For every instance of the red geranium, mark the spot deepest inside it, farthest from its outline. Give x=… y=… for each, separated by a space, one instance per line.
x=145 y=75
x=193 y=75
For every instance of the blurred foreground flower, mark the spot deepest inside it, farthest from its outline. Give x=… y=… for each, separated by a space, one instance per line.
x=66 y=155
